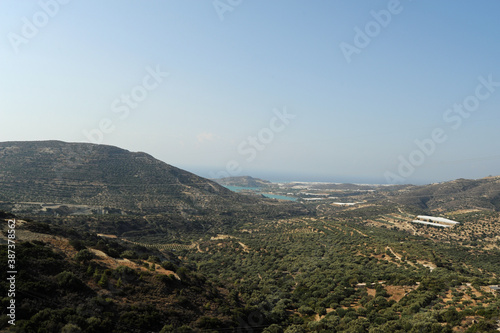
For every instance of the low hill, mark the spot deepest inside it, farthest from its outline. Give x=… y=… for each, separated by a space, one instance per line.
x=460 y=194
x=243 y=181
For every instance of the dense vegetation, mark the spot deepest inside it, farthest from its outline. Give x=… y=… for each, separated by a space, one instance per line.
x=113 y=241
x=283 y=275
x=63 y=284
x=331 y=276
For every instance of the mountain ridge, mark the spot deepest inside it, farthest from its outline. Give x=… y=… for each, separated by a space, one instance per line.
x=483 y=193
x=112 y=179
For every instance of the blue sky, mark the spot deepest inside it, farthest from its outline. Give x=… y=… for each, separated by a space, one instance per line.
x=354 y=116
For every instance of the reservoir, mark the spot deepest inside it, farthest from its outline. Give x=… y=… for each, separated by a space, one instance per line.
x=280 y=197
x=257 y=191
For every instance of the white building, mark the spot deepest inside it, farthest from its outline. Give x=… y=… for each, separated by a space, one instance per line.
x=433 y=224
x=435 y=221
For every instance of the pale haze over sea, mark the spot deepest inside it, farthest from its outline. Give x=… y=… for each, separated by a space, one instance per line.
x=346 y=91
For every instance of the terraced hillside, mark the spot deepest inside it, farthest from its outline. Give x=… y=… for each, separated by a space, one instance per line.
x=360 y=270
x=455 y=195
x=342 y=275
x=58 y=178
x=68 y=281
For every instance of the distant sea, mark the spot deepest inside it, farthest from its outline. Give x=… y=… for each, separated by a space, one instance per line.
x=284 y=177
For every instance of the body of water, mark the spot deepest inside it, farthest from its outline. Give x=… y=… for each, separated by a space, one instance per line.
x=280 y=197
x=257 y=190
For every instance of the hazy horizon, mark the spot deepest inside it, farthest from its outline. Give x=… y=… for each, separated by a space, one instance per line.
x=276 y=177
x=367 y=92
x=283 y=177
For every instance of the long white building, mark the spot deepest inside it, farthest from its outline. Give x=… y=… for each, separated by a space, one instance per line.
x=431 y=223
x=435 y=221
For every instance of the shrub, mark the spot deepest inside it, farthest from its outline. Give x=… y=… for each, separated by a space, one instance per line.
x=68 y=280
x=71 y=328
x=295 y=329
x=128 y=254
x=84 y=255
x=306 y=310
x=274 y=328
x=169 y=266
x=77 y=244
x=208 y=322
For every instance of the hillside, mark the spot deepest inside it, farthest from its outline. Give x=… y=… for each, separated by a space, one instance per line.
x=167 y=251
x=460 y=194
x=69 y=281
x=309 y=275
x=98 y=175
x=243 y=181
x=68 y=178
